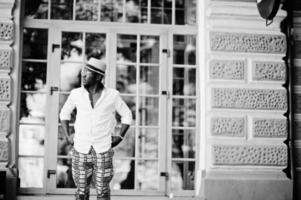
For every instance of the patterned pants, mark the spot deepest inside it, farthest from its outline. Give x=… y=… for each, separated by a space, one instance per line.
x=85 y=165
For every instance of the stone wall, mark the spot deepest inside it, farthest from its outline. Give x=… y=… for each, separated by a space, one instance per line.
x=246 y=101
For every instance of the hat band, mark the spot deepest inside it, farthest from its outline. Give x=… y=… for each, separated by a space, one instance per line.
x=94 y=69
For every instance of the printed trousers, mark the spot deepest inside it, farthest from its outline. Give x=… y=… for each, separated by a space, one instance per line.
x=84 y=166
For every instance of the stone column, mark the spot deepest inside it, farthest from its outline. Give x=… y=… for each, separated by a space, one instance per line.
x=7 y=35
x=246 y=104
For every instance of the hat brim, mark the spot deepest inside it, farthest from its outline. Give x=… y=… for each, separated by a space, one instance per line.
x=94 y=69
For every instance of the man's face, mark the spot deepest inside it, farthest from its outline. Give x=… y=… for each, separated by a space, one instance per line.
x=88 y=77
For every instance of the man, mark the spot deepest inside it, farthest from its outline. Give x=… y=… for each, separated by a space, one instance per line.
x=95 y=122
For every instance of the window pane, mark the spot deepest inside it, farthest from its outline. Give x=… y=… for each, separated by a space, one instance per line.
x=126 y=48
x=34 y=76
x=184 y=81
x=31 y=172
x=184 y=112
x=36 y=9
x=183 y=144
x=148 y=111
x=111 y=10
x=148 y=143
x=186 y=12
x=62 y=100
x=149 y=49
x=72 y=46
x=62 y=9
x=136 y=11
x=86 y=10
x=161 y=12
x=147 y=175
x=149 y=80
x=64 y=174
x=182 y=175
x=96 y=45
x=124 y=175
x=64 y=148
x=127 y=147
x=35 y=43
x=70 y=76
x=126 y=78
x=31 y=140
x=184 y=49
x=33 y=107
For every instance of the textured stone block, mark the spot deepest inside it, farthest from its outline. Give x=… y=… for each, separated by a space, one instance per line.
x=6 y=31
x=227 y=69
x=223 y=126
x=238 y=98
x=5 y=89
x=5 y=59
x=4 y=120
x=269 y=71
x=249 y=155
x=3 y=151
x=270 y=127
x=247 y=43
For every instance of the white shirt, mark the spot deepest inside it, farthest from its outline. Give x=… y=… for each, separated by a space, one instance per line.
x=94 y=126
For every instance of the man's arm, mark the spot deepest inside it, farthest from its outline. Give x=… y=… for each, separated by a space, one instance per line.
x=65 y=126
x=126 y=119
x=65 y=116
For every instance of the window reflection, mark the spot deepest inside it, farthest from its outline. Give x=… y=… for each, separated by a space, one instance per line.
x=111 y=10
x=184 y=81
x=183 y=144
x=149 y=49
x=62 y=9
x=36 y=9
x=136 y=11
x=31 y=140
x=126 y=78
x=34 y=76
x=64 y=174
x=184 y=112
x=186 y=12
x=31 y=171
x=161 y=11
x=148 y=111
x=184 y=49
x=95 y=45
x=35 y=43
x=124 y=174
x=182 y=175
x=148 y=143
x=149 y=80
x=147 y=175
x=87 y=10
x=126 y=48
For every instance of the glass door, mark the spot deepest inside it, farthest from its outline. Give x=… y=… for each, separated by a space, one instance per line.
x=137 y=68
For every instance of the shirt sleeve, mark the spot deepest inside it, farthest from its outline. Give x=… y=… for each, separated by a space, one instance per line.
x=68 y=107
x=123 y=110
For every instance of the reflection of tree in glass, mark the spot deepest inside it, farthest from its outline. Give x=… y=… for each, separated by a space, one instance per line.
x=35 y=43
x=111 y=10
x=95 y=45
x=37 y=9
x=86 y=10
x=61 y=9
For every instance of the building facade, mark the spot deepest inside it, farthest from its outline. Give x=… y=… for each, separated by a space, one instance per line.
x=208 y=83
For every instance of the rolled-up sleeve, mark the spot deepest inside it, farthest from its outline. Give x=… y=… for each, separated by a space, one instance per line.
x=68 y=107
x=123 y=110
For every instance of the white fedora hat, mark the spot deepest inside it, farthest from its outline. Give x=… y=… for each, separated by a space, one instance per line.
x=96 y=65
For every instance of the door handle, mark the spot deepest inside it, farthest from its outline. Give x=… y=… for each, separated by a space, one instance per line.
x=53 y=89
x=50 y=171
